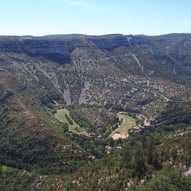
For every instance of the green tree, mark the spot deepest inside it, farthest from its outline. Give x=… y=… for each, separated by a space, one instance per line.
x=161 y=183
x=139 y=161
x=65 y=127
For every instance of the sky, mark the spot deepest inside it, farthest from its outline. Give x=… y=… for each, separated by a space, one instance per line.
x=94 y=17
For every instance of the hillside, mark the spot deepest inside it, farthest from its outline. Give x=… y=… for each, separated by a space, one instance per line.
x=134 y=73
x=61 y=97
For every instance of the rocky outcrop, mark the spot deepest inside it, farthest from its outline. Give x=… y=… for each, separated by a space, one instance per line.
x=138 y=73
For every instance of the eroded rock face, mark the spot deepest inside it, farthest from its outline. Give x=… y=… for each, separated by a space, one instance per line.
x=135 y=73
x=55 y=51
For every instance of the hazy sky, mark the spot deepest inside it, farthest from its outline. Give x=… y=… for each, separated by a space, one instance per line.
x=42 y=17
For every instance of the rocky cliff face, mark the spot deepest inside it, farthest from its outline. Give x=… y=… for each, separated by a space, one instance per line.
x=141 y=74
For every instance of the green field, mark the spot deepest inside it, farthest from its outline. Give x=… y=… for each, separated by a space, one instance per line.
x=61 y=115
x=127 y=123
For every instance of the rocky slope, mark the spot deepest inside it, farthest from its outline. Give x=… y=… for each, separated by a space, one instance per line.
x=138 y=74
